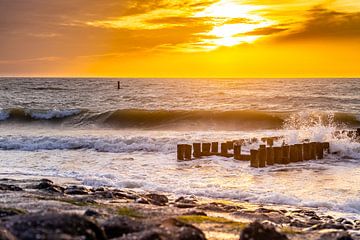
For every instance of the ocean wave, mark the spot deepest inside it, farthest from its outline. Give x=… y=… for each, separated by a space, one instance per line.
x=99 y=144
x=36 y=114
x=176 y=119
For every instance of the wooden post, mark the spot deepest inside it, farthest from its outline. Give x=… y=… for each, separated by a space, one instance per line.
x=326 y=146
x=205 y=151
x=358 y=132
x=237 y=152
x=306 y=151
x=119 y=85
x=188 y=149
x=319 y=151
x=214 y=147
x=278 y=155
x=180 y=151
x=293 y=153
x=197 y=150
x=224 y=149
x=286 y=154
x=230 y=145
x=312 y=151
x=270 y=156
x=262 y=156
x=270 y=142
x=300 y=156
x=254 y=160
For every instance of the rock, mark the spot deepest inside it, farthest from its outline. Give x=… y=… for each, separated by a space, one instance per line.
x=6 y=212
x=76 y=190
x=142 y=200
x=9 y=187
x=196 y=213
x=219 y=207
x=184 y=205
x=6 y=235
x=54 y=226
x=157 y=199
x=91 y=213
x=119 y=226
x=336 y=236
x=183 y=202
x=152 y=234
x=49 y=186
x=186 y=200
x=173 y=229
x=327 y=226
x=258 y=231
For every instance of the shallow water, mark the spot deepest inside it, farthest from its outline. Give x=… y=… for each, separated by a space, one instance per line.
x=60 y=132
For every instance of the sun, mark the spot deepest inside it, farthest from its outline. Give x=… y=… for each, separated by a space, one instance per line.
x=233 y=23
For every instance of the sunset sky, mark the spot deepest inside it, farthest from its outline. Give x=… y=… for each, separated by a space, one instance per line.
x=180 y=38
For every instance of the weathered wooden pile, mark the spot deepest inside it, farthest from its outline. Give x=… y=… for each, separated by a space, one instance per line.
x=265 y=155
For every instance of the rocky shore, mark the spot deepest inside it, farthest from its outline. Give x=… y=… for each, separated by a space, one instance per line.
x=41 y=209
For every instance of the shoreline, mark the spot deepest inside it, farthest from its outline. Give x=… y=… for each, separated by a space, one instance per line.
x=33 y=200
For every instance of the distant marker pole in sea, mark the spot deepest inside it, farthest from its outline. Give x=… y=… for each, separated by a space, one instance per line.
x=119 y=85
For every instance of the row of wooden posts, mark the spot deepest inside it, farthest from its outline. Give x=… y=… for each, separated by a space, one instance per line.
x=264 y=156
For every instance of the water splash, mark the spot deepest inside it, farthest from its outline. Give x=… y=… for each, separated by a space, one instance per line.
x=322 y=127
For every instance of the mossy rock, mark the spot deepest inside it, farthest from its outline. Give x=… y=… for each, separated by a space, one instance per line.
x=196 y=219
x=129 y=212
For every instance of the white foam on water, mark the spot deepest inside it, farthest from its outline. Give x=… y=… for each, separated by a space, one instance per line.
x=53 y=113
x=144 y=160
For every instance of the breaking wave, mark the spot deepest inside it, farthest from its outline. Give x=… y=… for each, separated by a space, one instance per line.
x=172 y=119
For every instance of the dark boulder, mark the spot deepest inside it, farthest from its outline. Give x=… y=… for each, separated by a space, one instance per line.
x=54 y=226
x=119 y=226
x=177 y=230
x=258 y=231
x=76 y=190
x=49 y=186
x=157 y=199
x=9 y=187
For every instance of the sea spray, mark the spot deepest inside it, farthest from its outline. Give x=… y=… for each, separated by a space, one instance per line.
x=321 y=127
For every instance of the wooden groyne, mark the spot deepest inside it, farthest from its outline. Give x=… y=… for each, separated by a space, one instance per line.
x=266 y=155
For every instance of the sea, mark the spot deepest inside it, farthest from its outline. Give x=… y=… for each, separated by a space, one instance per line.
x=87 y=131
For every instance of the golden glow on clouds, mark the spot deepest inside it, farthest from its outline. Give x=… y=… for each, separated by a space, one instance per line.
x=175 y=38
x=141 y=21
x=230 y=34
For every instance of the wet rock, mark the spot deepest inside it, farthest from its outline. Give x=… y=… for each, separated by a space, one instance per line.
x=336 y=236
x=122 y=194
x=184 y=205
x=76 y=190
x=300 y=224
x=6 y=235
x=119 y=226
x=258 y=231
x=183 y=202
x=196 y=213
x=49 y=186
x=91 y=213
x=142 y=200
x=322 y=226
x=104 y=194
x=9 y=187
x=219 y=207
x=157 y=199
x=186 y=200
x=177 y=230
x=6 y=212
x=54 y=226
